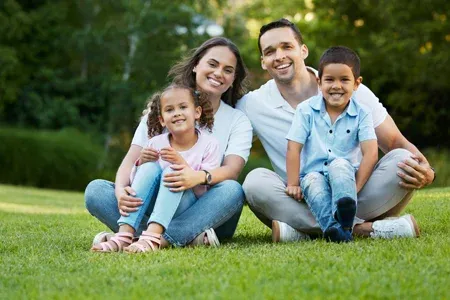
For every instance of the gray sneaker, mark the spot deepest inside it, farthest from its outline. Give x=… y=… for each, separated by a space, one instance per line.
x=282 y=233
x=389 y=228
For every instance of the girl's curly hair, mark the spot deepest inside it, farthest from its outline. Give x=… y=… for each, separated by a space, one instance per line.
x=153 y=109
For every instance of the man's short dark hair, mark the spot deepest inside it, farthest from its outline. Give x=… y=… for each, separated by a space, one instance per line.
x=280 y=24
x=340 y=55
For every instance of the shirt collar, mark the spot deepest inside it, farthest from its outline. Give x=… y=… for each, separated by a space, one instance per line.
x=317 y=103
x=275 y=98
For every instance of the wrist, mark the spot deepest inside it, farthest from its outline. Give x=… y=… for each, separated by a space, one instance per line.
x=201 y=177
x=431 y=174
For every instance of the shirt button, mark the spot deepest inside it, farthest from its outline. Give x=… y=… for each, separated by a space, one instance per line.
x=348 y=130
x=325 y=163
x=329 y=150
x=331 y=131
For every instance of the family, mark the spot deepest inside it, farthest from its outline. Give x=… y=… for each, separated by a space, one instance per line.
x=321 y=129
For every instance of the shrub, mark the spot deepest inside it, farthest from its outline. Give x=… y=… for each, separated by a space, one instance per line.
x=65 y=159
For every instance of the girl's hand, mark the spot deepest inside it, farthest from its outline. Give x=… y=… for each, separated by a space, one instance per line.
x=148 y=154
x=171 y=155
x=183 y=178
x=126 y=201
x=295 y=192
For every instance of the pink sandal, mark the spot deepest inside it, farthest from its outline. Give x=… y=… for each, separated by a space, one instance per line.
x=115 y=243
x=146 y=243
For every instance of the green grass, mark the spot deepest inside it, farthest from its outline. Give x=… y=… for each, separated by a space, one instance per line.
x=45 y=237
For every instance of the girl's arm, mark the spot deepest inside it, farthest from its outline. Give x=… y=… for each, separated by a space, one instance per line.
x=293 y=169
x=369 y=150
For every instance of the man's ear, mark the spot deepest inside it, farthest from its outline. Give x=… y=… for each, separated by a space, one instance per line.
x=262 y=63
x=305 y=51
x=357 y=83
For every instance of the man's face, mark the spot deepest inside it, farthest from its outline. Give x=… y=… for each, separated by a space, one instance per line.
x=282 y=56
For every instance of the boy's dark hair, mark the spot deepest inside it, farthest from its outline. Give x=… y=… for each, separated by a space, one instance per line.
x=153 y=109
x=340 y=55
x=280 y=24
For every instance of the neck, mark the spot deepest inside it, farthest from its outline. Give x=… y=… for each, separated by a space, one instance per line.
x=334 y=113
x=183 y=141
x=302 y=87
x=215 y=103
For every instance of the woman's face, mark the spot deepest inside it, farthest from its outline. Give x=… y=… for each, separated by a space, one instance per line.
x=215 y=71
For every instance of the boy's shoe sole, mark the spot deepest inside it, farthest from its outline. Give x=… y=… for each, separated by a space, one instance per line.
x=346 y=211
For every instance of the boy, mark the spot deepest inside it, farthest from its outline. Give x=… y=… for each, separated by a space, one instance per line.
x=331 y=126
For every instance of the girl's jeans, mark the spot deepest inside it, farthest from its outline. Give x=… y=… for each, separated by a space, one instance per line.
x=321 y=192
x=147 y=184
x=219 y=208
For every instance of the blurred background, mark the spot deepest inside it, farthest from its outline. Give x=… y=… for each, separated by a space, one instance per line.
x=75 y=74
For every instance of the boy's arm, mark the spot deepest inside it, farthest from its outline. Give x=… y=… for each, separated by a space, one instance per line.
x=369 y=150
x=293 y=169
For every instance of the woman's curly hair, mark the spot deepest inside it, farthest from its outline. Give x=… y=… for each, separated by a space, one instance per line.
x=153 y=109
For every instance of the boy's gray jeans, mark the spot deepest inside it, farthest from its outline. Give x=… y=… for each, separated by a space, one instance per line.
x=380 y=197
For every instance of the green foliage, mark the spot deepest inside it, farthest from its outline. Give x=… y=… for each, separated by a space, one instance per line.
x=47 y=234
x=61 y=160
x=439 y=159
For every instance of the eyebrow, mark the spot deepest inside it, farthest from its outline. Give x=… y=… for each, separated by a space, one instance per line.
x=217 y=62
x=279 y=44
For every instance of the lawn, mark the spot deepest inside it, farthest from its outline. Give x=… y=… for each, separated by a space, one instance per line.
x=46 y=235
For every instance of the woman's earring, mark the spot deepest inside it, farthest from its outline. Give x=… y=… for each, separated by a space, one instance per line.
x=194 y=70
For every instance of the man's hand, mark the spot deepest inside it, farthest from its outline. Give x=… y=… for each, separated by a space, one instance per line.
x=171 y=155
x=416 y=172
x=182 y=178
x=295 y=192
x=148 y=155
x=126 y=200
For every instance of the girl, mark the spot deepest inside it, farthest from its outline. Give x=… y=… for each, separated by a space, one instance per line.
x=217 y=68
x=177 y=109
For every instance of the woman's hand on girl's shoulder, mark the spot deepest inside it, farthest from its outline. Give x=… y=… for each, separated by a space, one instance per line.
x=183 y=178
x=148 y=155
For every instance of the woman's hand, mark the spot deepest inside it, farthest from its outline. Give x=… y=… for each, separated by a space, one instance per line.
x=183 y=178
x=126 y=200
x=171 y=155
x=294 y=191
x=417 y=172
x=147 y=155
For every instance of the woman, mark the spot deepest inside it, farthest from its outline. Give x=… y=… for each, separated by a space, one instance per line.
x=217 y=68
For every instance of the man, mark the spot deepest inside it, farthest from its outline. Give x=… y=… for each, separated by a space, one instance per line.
x=271 y=109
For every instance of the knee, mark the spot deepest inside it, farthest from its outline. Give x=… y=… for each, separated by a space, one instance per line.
x=92 y=193
x=397 y=155
x=340 y=163
x=252 y=182
x=234 y=190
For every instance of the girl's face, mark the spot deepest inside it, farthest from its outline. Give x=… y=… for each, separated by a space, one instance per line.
x=215 y=71
x=178 y=112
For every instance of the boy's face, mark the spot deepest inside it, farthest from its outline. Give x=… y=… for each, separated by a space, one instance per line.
x=282 y=55
x=337 y=85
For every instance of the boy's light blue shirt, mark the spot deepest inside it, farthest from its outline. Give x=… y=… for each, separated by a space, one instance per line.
x=323 y=141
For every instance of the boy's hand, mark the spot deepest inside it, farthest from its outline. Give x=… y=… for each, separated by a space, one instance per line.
x=148 y=154
x=295 y=192
x=171 y=155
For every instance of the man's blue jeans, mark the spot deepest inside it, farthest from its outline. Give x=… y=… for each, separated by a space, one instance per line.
x=321 y=191
x=148 y=184
x=219 y=208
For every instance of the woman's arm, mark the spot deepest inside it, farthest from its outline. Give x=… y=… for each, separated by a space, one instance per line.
x=124 y=193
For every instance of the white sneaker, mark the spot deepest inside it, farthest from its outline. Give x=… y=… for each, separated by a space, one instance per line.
x=102 y=237
x=282 y=232
x=403 y=227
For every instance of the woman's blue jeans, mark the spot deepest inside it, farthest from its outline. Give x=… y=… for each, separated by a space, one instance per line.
x=219 y=208
x=321 y=191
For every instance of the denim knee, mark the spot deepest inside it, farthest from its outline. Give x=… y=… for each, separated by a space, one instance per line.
x=93 y=193
x=234 y=188
x=341 y=164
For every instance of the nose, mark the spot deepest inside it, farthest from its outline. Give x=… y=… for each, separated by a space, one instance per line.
x=218 y=73
x=279 y=54
x=336 y=84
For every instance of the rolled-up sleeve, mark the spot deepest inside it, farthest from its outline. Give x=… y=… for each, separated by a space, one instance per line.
x=240 y=140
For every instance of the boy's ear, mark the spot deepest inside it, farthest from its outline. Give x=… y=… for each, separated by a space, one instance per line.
x=161 y=121
x=357 y=83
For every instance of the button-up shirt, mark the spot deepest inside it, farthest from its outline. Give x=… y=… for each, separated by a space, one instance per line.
x=323 y=141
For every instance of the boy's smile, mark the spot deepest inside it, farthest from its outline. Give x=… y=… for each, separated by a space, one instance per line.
x=337 y=85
